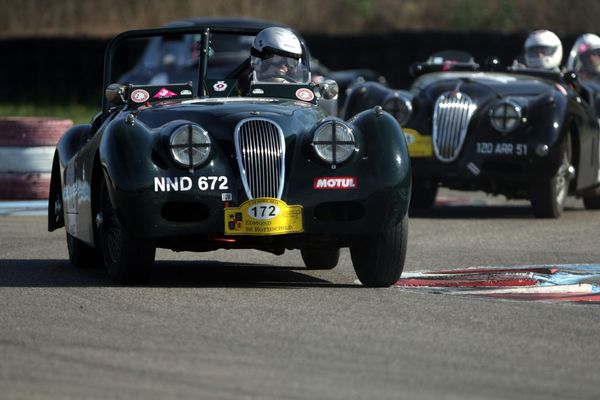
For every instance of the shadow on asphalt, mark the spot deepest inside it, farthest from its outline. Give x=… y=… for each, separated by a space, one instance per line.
x=479 y=212
x=184 y=274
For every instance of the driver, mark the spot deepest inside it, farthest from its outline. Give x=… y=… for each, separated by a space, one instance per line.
x=584 y=57
x=276 y=56
x=543 y=50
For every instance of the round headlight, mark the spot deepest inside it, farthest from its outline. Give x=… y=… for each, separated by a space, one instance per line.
x=505 y=116
x=190 y=145
x=334 y=142
x=399 y=107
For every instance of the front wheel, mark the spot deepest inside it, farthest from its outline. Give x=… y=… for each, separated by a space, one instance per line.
x=379 y=259
x=548 y=197
x=591 y=200
x=423 y=195
x=127 y=259
x=326 y=258
x=591 y=203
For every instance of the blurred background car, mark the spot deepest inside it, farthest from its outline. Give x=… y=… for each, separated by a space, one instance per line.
x=520 y=132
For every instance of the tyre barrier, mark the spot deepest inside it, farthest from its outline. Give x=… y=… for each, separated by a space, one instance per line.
x=26 y=152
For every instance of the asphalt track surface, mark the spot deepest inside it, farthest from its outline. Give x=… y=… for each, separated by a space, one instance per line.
x=250 y=325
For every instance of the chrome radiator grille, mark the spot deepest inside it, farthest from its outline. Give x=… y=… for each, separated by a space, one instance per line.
x=451 y=116
x=260 y=149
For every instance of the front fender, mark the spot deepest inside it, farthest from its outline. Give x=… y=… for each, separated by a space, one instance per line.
x=388 y=156
x=125 y=153
x=72 y=142
x=365 y=96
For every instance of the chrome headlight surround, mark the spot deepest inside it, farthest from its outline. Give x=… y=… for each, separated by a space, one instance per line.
x=399 y=106
x=506 y=116
x=333 y=142
x=190 y=145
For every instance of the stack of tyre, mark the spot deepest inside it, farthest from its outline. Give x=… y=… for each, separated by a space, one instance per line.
x=26 y=150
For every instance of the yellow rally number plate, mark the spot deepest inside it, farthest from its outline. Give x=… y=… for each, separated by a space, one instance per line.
x=263 y=216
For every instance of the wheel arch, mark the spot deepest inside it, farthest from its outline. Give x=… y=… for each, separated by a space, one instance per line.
x=572 y=134
x=55 y=195
x=97 y=179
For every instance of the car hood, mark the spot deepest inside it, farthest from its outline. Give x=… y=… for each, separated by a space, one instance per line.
x=482 y=84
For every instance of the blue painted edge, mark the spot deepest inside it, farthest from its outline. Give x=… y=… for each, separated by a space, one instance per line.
x=24 y=208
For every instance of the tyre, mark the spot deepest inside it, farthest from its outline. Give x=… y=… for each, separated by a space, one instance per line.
x=379 y=259
x=548 y=197
x=83 y=255
x=326 y=258
x=423 y=195
x=127 y=259
x=591 y=202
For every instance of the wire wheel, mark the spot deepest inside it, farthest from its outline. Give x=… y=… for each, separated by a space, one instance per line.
x=548 y=197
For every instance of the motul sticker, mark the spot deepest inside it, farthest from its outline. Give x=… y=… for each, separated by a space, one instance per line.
x=139 y=96
x=305 y=94
x=336 y=183
x=164 y=93
x=220 y=86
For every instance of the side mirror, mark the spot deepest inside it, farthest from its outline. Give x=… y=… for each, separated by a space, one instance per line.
x=329 y=89
x=571 y=78
x=492 y=64
x=415 y=69
x=115 y=94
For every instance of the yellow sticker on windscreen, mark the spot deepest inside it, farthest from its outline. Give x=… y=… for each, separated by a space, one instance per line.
x=263 y=216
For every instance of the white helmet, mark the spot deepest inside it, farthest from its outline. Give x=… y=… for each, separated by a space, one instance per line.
x=581 y=52
x=543 y=50
x=276 y=56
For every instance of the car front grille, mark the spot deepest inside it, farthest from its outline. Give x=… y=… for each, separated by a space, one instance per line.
x=260 y=150
x=451 y=116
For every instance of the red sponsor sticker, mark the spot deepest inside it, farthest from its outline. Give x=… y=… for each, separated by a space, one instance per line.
x=139 y=96
x=164 y=93
x=336 y=183
x=305 y=94
x=561 y=89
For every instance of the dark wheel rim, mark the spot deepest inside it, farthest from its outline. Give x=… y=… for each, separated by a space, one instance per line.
x=563 y=176
x=111 y=229
x=113 y=237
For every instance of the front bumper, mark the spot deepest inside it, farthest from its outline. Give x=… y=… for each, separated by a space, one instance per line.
x=193 y=217
x=497 y=166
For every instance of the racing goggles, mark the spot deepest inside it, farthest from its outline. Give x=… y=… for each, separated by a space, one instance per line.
x=592 y=52
x=535 y=51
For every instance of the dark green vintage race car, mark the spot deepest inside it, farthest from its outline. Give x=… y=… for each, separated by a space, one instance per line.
x=242 y=163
